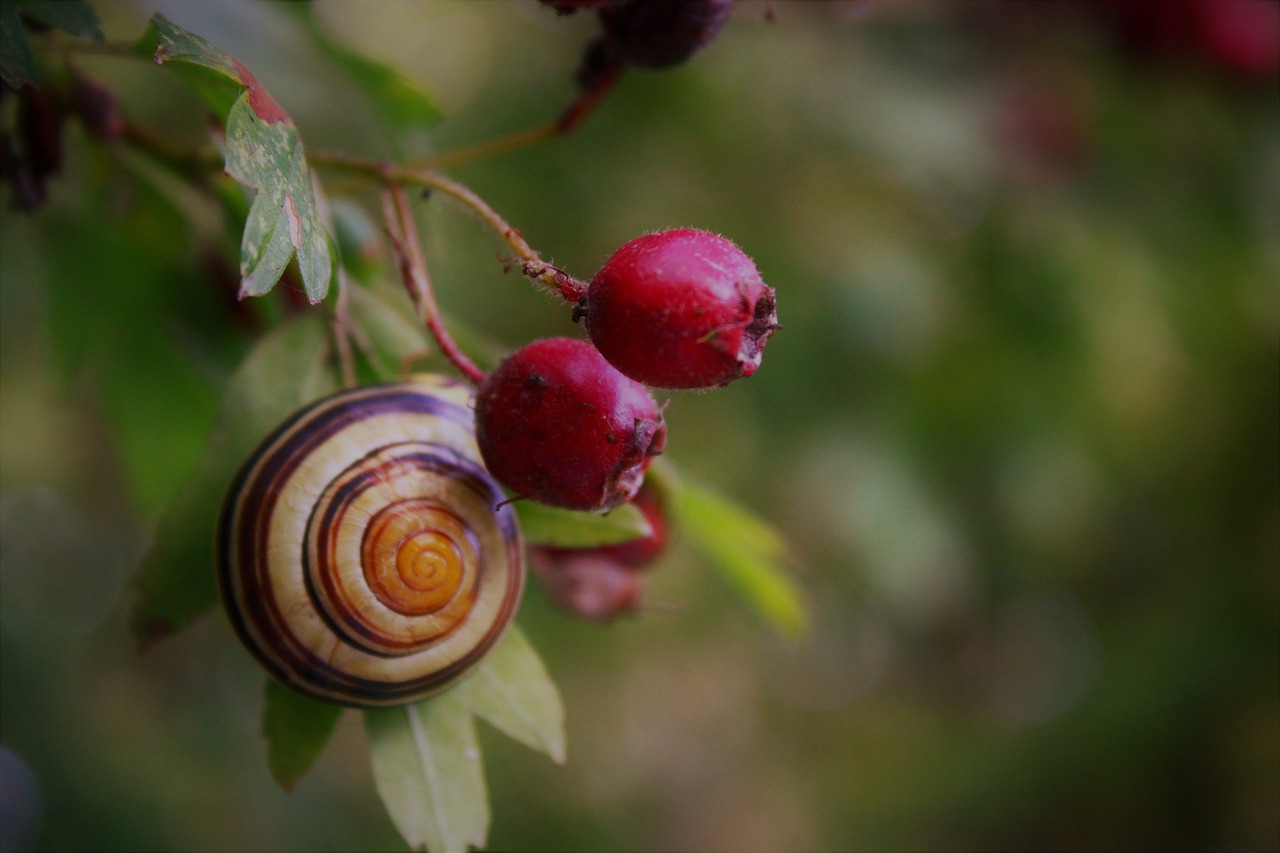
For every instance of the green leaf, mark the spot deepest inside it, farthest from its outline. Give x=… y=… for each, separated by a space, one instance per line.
x=402 y=102
x=76 y=17
x=427 y=768
x=297 y=729
x=17 y=66
x=176 y=581
x=264 y=153
x=359 y=240
x=392 y=333
x=566 y=528
x=747 y=552
x=513 y=691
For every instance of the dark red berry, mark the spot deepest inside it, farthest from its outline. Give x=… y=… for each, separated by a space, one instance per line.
x=681 y=309
x=658 y=33
x=608 y=580
x=590 y=585
x=556 y=423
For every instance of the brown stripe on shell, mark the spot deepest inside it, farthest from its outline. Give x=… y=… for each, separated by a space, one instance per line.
x=245 y=558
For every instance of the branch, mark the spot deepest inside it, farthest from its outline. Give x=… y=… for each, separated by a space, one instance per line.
x=413 y=269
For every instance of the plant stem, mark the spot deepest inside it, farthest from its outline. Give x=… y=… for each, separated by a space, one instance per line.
x=532 y=264
x=567 y=122
x=342 y=331
x=413 y=269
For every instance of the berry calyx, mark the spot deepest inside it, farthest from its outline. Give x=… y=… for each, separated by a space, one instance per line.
x=556 y=423
x=681 y=309
x=659 y=33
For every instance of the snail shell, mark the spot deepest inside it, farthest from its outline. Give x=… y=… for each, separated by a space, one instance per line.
x=360 y=554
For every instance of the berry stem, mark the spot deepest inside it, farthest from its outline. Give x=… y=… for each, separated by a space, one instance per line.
x=413 y=268
x=562 y=125
x=342 y=332
x=532 y=264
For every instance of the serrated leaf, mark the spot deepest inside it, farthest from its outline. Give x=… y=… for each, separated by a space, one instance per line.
x=17 y=66
x=264 y=153
x=176 y=580
x=747 y=552
x=428 y=772
x=566 y=528
x=297 y=729
x=513 y=691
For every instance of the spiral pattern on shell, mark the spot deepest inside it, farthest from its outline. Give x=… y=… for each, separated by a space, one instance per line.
x=362 y=555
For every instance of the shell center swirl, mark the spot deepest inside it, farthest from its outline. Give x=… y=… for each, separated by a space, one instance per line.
x=411 y=558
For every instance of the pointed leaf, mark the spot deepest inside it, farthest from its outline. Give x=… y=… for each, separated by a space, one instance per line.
x=264 y=153
x=297 y=729
x=178 y=44
x=176 y=580
x=513 y=691
x=427 y=768
x=566 y=528
x=747 y=552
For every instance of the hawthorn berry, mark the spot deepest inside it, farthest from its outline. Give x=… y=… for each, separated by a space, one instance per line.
x=659 y=33
x=556 y=423
x=589 y=585
x=681 y=309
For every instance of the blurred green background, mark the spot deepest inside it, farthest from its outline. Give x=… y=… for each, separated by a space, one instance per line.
x=1021 y=427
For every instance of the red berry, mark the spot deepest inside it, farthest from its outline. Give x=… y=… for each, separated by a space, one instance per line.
x=681 y=309
x=658 y=33
x=608 y=580
x=590 y=585
x=557 y=424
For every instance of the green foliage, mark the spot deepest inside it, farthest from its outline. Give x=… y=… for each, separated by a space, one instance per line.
x=176 y=581
x=264 y=153
x=749 y=554
x=426 y=764
x=513 y=691
x=401 y=102
x=297 y=729
x=17 y=67
x=548 y=525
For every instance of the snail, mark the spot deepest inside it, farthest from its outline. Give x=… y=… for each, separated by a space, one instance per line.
x=365 y=557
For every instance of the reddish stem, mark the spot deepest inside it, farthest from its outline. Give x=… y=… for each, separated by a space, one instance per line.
x=413 y=269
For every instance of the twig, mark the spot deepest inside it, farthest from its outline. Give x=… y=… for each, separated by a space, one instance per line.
x=532 y=264
x=597 y=82
x=342 y=331
x=413 y=269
